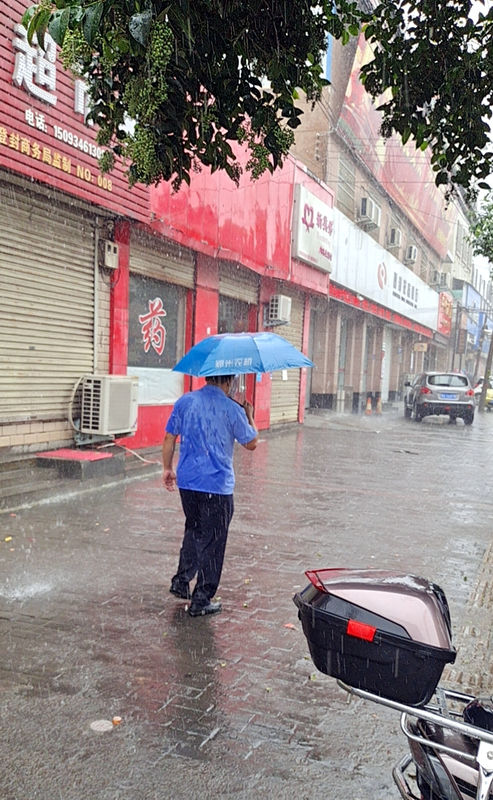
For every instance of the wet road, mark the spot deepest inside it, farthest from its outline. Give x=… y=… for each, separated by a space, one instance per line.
x=231 y=705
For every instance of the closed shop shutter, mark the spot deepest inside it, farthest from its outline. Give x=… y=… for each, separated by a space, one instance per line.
x=285 y=395
x=161 y=259
x=46 y=302
x=237 y=282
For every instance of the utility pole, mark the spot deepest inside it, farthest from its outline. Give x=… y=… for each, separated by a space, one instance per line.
x=480 y=348
x=486 y=379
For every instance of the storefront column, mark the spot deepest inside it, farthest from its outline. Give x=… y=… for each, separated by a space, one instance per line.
x=306 y=339
x=119 y=299
x=320 y=357
x=263 y=386
x=359 y=365
x=206 y=303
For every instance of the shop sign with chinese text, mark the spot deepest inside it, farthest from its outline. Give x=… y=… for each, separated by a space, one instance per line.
x=445 y=311
x=43 y=130
x=313 y=225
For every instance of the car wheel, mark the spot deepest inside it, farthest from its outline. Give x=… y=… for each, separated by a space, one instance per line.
x=417 y=413
x=407 y=411
x=469 y=419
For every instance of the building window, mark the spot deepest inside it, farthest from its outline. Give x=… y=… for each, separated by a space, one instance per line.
x=423 y=267
x=233 y=315
x=346 y=187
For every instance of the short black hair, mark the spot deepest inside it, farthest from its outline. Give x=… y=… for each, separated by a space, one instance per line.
x=217 y=380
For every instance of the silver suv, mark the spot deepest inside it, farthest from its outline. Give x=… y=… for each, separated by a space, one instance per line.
x=433 y=393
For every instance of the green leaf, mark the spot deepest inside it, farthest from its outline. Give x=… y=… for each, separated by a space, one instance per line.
x=38 y=24
x=406 y=133
x=139 y=26
x=27 y=16
x=92 y=20
x=58 y=25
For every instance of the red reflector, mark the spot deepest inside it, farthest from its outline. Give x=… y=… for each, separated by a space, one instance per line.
x=360 y=630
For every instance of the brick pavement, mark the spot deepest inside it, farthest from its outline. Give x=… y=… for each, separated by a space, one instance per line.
x=230 y=705
x=473 y=670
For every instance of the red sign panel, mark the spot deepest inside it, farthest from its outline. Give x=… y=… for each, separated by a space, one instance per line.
x=43 y=133
x=445 y=311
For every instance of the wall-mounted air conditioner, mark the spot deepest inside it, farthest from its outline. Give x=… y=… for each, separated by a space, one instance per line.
x=278 y=310
x=369 y=213
x=411 y=254
x=394 y=238
x=109 y=404
x=445 y=280
x=109 y=254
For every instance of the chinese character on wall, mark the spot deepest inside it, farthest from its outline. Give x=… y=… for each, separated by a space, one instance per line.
x=153 y=330
x=35 y=68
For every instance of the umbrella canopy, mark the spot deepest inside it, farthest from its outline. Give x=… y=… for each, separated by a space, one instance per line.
x=241 y=353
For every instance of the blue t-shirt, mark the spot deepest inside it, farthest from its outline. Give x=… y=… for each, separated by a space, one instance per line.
x=208 y=423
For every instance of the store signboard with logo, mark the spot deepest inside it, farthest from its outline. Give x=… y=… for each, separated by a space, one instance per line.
x=313 y=227
x=363 y=266
x=43 y=129
x=445 y=313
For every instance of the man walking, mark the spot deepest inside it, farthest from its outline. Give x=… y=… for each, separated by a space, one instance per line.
x=208 y=423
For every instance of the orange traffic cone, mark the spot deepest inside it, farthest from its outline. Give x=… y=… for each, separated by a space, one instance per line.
x=368 y=406
x=378 y=409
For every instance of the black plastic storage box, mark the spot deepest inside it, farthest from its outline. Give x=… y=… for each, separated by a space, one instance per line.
x=388 y=633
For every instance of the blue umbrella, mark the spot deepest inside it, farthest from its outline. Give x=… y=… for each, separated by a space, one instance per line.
x=241 y=353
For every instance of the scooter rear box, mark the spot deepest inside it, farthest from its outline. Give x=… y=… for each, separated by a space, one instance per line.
x=388 y=633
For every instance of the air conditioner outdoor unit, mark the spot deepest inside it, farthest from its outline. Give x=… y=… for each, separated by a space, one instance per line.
x=411 y=254
x=109 y=254
x=109 y=404
x=278 y=310
x=394 y=238
x=445 y=280
x=369 y=213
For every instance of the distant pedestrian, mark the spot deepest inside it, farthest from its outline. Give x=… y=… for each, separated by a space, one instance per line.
x=208 y=423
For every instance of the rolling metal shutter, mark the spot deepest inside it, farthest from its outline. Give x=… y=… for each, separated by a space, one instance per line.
x=285 y=395
x=46 y=302
x=237 y=282
x=161 y=259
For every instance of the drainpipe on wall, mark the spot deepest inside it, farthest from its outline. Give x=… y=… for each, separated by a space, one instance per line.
x=96 y=297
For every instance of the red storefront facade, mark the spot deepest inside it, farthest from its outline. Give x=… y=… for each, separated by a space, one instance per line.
x=208 y=258
x=248 y=229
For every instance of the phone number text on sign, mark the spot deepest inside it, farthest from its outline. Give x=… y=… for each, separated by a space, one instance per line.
x=76 y=141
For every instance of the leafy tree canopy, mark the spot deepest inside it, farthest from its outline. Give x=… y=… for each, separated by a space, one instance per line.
x=481 y=231
x=194 y=75
x=433 y=67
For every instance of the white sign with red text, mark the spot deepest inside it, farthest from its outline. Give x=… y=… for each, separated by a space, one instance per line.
x=313 y=223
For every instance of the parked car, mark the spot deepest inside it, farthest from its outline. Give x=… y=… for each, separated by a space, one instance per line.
x=478 y=387
x=435 y=393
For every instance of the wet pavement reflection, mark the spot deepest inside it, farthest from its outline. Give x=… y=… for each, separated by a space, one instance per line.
x=229 y=705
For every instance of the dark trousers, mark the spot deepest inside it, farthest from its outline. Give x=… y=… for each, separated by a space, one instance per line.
x=202 y=552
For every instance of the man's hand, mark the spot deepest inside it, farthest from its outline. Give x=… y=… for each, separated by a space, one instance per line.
x=249 y=412
x=169 y=475
x=169 y=480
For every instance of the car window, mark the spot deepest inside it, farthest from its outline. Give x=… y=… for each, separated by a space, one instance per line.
x=448 y=380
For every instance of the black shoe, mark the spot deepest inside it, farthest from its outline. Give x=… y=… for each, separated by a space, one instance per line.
x=180 y=590
x=211 y=608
